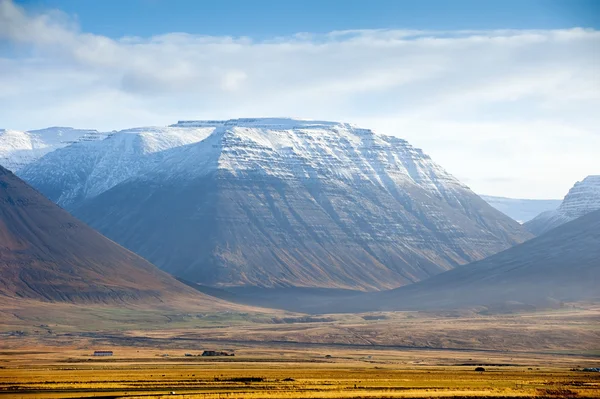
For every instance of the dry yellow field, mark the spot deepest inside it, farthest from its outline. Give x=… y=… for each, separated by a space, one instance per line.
x=384 y=355
x=258 y=372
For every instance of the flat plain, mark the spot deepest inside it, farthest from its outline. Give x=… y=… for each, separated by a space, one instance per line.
x=284 y=355
x=281 y=373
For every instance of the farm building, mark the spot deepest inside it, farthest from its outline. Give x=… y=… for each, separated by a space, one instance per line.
x=216 y=353
x=103 y=353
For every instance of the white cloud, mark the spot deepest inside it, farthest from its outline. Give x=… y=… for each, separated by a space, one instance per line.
x=509 y=112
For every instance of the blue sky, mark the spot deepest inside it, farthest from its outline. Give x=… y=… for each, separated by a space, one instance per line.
x=503 y=94
x=263 y=18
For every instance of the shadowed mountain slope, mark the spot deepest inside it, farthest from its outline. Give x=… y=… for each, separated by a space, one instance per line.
x=46 y=254
x=561 y=265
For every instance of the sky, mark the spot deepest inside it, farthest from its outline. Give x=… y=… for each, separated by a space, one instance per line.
x=503 y=94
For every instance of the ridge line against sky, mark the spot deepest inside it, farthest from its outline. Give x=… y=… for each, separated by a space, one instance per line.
x=510 y=112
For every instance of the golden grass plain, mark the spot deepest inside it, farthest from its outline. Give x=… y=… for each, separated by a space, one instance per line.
x=46 y=353
x=270 y=372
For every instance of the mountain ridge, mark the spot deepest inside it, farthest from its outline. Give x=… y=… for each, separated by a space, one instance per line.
x=277 y=202
x=562 y=265
x=582 y=198
x=20 y=148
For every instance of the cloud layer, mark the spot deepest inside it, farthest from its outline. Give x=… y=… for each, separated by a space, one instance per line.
x=510 y=113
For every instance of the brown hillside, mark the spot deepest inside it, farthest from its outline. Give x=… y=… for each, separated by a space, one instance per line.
x=47 y=254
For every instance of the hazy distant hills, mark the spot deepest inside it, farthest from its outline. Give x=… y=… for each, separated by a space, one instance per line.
x=521 y=210
x=582 y=198
x=275 y=202
x=46 y=254
x=561 y=265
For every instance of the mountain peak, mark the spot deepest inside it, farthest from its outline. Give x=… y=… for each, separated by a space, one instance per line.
x=582 y=198
x=277 y=147
x=20 y=148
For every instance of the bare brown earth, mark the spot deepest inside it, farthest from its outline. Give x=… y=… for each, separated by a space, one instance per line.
x=569 y=331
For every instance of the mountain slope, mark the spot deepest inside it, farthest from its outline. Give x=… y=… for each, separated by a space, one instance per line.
x=521 y=210
x=46 y=254
x=18 y=149
x=582 y=198
x=561 y=265
x=280 y=202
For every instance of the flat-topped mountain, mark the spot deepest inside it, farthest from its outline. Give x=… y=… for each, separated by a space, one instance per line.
x=582 y=199
x=276 y=202
x=46 y=254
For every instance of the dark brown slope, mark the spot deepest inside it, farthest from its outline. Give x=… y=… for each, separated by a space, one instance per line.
x=561 y=265
x=47 y=254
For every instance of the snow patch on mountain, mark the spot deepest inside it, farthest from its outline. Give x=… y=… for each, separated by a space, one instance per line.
x=87 y=168
x=300 y=149
x=277 y=147
x=18 y=148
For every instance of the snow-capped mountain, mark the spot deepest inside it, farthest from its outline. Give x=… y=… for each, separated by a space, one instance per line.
x=274 y=202
x=18 y=149
x=521 y=210
x=88 y=168
x=288 y=148
x=582 y=198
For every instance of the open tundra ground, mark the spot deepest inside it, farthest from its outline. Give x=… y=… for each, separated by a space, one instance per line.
x=285 y=355
x=281 y=372
x=569 y=330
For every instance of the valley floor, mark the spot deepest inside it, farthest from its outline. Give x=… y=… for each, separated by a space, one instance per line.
x=279 y=372
x=288 y=355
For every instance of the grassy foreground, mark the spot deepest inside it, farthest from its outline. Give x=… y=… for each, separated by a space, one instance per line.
x=45 y=352
x=277 y=373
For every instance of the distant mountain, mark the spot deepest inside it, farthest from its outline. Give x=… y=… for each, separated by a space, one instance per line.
x=561 y=265
x=276 y=202
x=46 y=254
x=583 y=198
x=521 y=210
x=88 y=168
x=18 y=148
